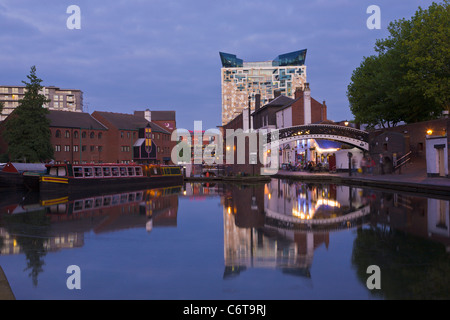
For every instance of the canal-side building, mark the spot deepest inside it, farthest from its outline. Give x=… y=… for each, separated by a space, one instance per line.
x=242 y=80
x=60 y=99
x=106 y=137
x=425 y=143
x=127 y=138
x=282 y=112
x=77 y=138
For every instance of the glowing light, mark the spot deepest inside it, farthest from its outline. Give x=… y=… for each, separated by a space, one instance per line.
x=429 y=132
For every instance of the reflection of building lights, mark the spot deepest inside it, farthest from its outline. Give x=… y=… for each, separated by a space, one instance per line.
x=184 y=192
x=300 y=214
x=328 y=202
x=229 y=210
x=269 y=196
x=329 y=150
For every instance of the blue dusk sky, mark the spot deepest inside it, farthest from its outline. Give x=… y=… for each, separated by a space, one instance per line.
x=164 y=55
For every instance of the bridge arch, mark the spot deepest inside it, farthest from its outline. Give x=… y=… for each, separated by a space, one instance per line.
x=354 y=137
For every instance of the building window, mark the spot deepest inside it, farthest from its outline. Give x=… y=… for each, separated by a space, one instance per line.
x=121 y=134
x=75 y=134
x=92 y=148
x=67 y=148
x=92 y=135
x=75 y=148
x=100 y=148
x=58 y=134
x=57 y=148
x=128 y=135
x=100 y=135
x=83 y=148
x=83 y=135
x=67 y=135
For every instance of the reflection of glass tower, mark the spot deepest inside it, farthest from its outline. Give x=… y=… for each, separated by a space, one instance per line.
x=241 y=81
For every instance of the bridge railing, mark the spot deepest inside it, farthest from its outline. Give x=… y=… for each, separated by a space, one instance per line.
x=321 y=129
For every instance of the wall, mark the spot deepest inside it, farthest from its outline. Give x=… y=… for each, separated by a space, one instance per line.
x=435 y=145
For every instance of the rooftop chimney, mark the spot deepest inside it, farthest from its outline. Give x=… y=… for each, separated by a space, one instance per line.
x=307 y=103
x=148 y=115
x=257 y=101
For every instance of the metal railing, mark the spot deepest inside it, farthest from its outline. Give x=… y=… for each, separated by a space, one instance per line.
x=402 y=161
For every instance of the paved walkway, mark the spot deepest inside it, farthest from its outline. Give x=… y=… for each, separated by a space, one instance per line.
x=412 y=178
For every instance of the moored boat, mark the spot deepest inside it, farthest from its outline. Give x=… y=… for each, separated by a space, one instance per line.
x=11 y=174
x=64 y=178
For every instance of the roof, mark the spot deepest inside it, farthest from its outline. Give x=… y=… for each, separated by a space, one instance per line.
x=69 y=119
x=22 y=167
x=125 y=121
x=280 y=102
x=295 y=58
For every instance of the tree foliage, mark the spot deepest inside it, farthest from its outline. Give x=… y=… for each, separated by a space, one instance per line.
x=408 y=79
x=27 y=129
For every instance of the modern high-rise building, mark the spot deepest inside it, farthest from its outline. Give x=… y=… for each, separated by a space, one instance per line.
x=242 y=81
x=60 y=99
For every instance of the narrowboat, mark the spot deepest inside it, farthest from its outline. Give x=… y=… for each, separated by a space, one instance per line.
x=67 y=178
x=11 y=173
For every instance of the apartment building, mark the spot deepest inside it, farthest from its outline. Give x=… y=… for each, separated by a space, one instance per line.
x=243 y=81
x=60 y=99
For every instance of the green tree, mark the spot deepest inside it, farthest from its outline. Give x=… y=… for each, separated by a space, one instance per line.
x=408 y=79
x=27 y=130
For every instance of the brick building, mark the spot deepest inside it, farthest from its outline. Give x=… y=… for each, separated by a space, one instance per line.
x=77 y=137
x=127 y=138
x=280 y=112
x=107 y=137
x=397 y=141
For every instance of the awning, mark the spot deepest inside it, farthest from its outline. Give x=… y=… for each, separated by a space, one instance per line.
x=139 y=142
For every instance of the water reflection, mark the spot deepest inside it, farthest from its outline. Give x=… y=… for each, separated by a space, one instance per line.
x=278 y=225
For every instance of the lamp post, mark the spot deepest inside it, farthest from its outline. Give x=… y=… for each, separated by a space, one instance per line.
x=350 y=155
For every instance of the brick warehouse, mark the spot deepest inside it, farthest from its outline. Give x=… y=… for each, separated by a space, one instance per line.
x=107 y=137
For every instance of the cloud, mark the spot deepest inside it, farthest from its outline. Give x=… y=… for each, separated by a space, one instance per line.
x=164 y=53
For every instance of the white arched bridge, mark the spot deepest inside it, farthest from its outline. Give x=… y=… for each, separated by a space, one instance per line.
x=354 y=137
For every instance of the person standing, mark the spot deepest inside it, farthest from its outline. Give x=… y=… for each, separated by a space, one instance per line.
x=381 y=164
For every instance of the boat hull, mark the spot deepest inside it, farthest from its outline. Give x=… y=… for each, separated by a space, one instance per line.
x=50 y=185
x=11 y=180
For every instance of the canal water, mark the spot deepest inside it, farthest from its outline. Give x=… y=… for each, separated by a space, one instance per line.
x=280 y=240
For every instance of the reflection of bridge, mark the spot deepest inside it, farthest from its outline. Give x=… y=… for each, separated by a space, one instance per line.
x=351 y=136
x=339 y=222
